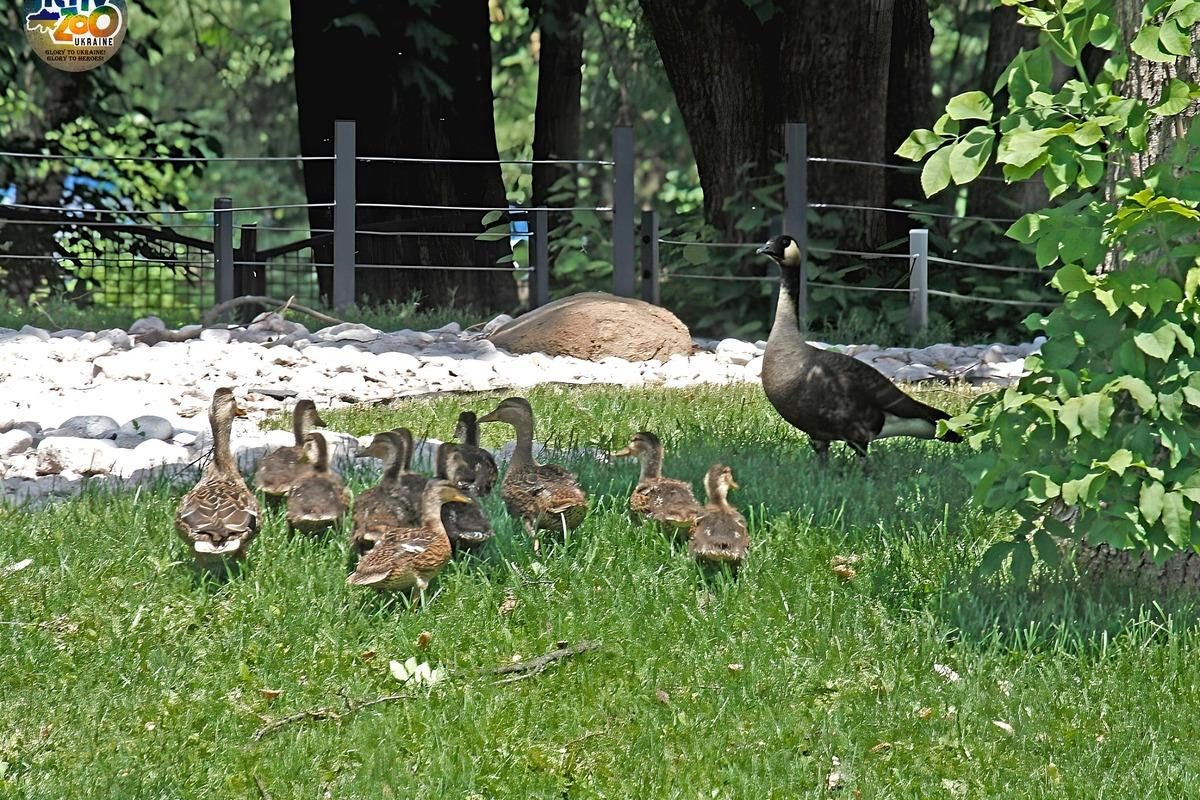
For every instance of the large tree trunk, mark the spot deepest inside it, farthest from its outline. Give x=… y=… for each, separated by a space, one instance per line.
x=411 y=97
x=909 y=96
x=724 y=72
x=992 y=198
x=557 y=118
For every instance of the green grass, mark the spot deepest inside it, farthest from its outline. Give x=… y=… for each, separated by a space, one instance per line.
x=124 y=675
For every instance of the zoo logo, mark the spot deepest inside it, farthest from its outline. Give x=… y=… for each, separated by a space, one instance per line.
x=75 y=35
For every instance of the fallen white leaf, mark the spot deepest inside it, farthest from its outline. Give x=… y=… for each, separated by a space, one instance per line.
x=947 y=673
x=17 y=567
x=1004 y=726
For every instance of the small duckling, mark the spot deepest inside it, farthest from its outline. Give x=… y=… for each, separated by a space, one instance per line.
x=719 y=535
x=665 y=501
x=544 y=496
x=281 y=468
x=219 y=517
x=466 y=523
x=405 y=558
x=394 y=502
x=319 y=499
x=478 y=471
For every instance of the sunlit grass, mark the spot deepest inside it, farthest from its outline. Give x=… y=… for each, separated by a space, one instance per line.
x=124 y=675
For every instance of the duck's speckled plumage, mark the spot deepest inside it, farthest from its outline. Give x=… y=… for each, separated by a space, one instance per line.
x=219 y=517
x=283 y=467
x=719 y=534
x=478 y=471
x=395 y=501
x=319 y=499
x=466 y=523
x=667 y=502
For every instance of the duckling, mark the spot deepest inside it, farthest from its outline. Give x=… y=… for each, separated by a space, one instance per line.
x=478 y=472
x=405 y=558
x=466 y=523
x=219 y=517
x=394 y=502
x=829 y=395
x=319 y=499
x=665 y=501
x=543 y=496
x=281 y=468
x=719 y=535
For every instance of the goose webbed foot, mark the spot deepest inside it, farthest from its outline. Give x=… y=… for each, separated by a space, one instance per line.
x=822 y=451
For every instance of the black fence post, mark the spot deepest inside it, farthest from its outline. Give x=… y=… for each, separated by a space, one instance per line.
x=650 y=256
x=795 y=212
x=918 y=280
x=249 y=276
x=223 y=248
x=344 y=217
x=622 y=237
x=539 y=259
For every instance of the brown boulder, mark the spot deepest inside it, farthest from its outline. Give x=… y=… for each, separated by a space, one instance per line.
x=596 y=325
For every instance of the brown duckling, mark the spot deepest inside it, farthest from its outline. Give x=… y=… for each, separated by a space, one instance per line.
x=219 y=517
x=319 y=499
x=478 y=471
x=405 y=558
x=394 y=502
x=281 y=468
x=466 y=523
x=543 y=496
x=665 y=501
x=719 y=535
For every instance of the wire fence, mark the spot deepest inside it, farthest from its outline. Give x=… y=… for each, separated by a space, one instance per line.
x=147 y=259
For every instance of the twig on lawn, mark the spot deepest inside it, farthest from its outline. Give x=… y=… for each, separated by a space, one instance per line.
x=534 y=666
x=324 y=713
x=262 y=787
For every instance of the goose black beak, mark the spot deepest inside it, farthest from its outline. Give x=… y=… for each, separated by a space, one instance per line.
x=771 y=249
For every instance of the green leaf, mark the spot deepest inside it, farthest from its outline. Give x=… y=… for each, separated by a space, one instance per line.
x=1095 y=413
x=1177 y=520
x=1174 y=40
x=1150 y=501
x=1022 y=562
x=971 y=154
x=935 y=175
x=970 y=105
x=1047 y=548
x=1156 y=344
x=1137 y=388
x=695 y=254
x=1075 y=490
x=1072 y=278
x=1175 y=98
x=994 y=558
x=919 y=144
x=1119 y=461
x=1022 y=146
x=1087 y=134
x=1103 y=33
x=1145 y=44
x=1171 y=405
x=946 y=126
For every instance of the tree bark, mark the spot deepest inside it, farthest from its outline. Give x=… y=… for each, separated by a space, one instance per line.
x=557 y=116
x=909 y=96
x=724 y=72
x=424 y=96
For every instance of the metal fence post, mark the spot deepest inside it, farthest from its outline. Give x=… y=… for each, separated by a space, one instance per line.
x=622 y=236
x=223 y=247
x=249 y=276
x=539 y=287
x=650 y=256
x=918 y=280
x=344 y=217
x=795 y=211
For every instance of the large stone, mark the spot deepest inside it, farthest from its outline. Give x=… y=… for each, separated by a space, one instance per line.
x=141 y=429
x=149 y=456
x=81 y=456
x=595 y=325
x=88 y=426
x=15 y=441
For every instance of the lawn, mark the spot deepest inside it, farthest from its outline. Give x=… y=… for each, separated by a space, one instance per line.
x=124 y=675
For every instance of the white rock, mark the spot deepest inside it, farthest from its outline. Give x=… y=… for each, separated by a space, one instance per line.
x=147 y=324
x=450 y=327
x=754 y=367
x=140 y=429
x=68 y=333
x=150 y=455
x=915 y=372
x=89 y=426
x=69 y=454
x=128 y=366
x=38 y=333
x=348 y=331
x=496 y=323
x=15 y=441
x=993 y=355
x=735 y=351
x=118 y=338
x=216 y=335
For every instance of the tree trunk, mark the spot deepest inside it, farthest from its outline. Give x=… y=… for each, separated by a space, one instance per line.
x=426 y=96
x=909 y=96
x=992 y=198
x=723 y=69
x=557 y=117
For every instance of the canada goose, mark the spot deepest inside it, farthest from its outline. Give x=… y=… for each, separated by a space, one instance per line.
x=665 y=501
x=831 y=396
x=219 y=517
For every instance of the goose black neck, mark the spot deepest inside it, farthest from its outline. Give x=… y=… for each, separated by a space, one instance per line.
x=787 y=318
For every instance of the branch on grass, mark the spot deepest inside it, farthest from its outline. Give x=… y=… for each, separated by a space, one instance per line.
x=534 y=666
x=325 y=713
x=209 y=317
